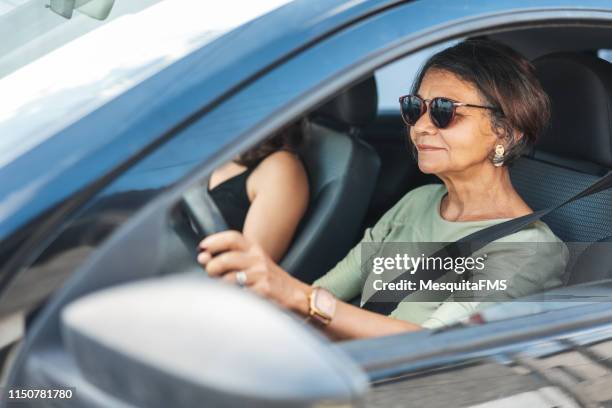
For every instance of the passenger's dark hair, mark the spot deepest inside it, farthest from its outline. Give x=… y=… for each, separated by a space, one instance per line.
x=506 y=80
x=288 y=138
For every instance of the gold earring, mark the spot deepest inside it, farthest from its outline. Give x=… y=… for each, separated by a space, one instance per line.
x=498 y=159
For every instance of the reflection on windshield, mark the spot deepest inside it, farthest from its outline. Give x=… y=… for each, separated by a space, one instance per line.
x=30 y=30
x=77 y=68
x=73 y=80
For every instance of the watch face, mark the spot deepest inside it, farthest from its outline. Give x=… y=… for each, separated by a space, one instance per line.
x=325 y=302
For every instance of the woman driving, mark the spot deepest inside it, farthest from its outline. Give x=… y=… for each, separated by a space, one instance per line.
x=473 y=109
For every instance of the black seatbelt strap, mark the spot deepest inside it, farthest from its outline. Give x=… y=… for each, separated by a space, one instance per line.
x=465 y=246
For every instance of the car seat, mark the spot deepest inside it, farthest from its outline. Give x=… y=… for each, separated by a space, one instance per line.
x=574 y=152
x=342 y=172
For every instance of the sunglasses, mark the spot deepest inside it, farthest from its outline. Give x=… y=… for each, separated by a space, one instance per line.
x=441 y=110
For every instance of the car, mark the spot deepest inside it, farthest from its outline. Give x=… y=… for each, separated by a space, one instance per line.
x=102 y=302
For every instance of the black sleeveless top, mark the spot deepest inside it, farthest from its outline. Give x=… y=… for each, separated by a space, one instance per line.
x=232 y=199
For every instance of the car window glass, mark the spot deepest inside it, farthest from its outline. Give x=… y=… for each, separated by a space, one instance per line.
x=103 y=64
x=605 y=54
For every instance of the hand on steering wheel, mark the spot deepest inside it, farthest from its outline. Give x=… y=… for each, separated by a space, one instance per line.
x=228 y=255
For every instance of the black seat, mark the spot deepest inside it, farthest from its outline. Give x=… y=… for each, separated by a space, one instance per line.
x=593 y=264
x=342 y=172
x=573 y=153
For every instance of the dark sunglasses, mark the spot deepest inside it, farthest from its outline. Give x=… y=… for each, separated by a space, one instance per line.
x=441 y=110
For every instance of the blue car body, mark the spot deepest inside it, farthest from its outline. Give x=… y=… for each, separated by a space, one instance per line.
x=219 y=100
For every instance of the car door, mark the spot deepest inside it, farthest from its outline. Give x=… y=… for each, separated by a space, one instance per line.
x=145 y=242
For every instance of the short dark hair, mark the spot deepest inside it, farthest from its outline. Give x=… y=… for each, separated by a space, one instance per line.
x=506 y=80
x=288 y=138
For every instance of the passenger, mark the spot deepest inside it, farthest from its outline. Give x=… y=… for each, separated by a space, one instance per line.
x=264 y=192
x=473 y=109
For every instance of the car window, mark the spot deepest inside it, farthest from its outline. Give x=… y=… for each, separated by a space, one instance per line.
x=57 y=70
x=31 y=30
x=605 y=54
x=396 y=79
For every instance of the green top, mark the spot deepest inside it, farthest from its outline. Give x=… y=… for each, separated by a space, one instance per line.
x=416 y=218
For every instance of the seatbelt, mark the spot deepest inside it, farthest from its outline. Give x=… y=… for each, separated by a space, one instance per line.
x=465 y=246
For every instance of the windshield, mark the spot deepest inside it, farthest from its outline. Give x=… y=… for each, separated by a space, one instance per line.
x=58 y=64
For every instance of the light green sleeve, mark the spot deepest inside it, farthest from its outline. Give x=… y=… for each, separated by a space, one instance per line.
x=346 y=280
x=451 y=312
x=526 y=268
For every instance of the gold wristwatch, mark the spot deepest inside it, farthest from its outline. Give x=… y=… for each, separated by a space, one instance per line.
x=322 y=306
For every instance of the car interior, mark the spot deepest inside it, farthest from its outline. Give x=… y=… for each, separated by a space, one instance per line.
x=359 y=163
x=343 y=170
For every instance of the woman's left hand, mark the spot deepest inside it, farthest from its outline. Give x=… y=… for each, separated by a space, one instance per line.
x=226 y=253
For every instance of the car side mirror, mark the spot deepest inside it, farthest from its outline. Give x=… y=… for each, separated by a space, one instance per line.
x=190 y=341
x=98 y=9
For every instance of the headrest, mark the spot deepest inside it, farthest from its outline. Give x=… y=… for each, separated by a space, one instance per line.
x=580 y=91
x=355 y=106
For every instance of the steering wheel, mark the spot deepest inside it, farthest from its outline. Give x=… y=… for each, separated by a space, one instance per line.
x=202 y=211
